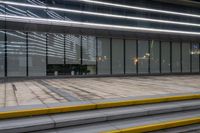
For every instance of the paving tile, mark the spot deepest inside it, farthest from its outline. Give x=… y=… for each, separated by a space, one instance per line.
x=95 y=89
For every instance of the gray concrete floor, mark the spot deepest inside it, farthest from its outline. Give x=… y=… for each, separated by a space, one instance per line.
x=43 y=91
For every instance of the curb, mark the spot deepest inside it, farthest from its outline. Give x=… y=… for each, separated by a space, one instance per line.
x=158 y=126
x=92 y=106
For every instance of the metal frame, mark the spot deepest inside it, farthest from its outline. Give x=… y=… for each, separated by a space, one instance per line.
x=181 y=58
x=149 y=63
x=111 y=71
x=96 y=55
x=171 y=71
x=46 y=52
x=160 y=58
x=27 y=60
x=137 y=57
x=124 y=46
x=199 y=58
x=5 y=56
x=191 y=58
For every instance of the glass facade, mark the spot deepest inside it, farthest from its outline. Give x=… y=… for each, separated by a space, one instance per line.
x=89 y=53
x=186 y=54
x=176 y=57
x=73 y=49
x=195 y=57
x=16 y=54
x=117 y=56
x=165 y=57
x=55 y=48
x=36 y=54
x=71 y=38
x=154 y=56
x=2 y=53
x=41 y=54
x=143 y=56
x=130 y=56
x=103 y=57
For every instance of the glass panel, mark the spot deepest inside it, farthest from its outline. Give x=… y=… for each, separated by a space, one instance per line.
x=73 y=49
x=195 y=57
x=155 y=57
x=2 y=53
x=103 y=56
x=143 y=56
x=35 y=12
x=55 y=15
x=186 y=57
x=89 y=50
x=2 y=9
x=89 y=53
x=55 y=45
x=131 y=59
x=176 y=64
x=16 y=10
x=165 y=57
x=117 y=56
x=37 y=54
x=16 y=53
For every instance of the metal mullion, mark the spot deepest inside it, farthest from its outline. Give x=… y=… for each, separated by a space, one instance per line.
x=190 y=57
x=160 y=58
x=96 y=56
x=171 y=57
x=27 y=64
x=199 y=58
x=181 y=57
x=46 y=52
x=81 y=41
x=5 y=56
x=64 y=49
x=149 y=44
x=111 y=56
x=124 y=56
x=137 y=56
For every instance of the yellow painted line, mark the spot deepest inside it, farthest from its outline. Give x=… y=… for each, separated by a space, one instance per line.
x=148 y=101
x=45 y=111
x=100 y=105
x=158 y=126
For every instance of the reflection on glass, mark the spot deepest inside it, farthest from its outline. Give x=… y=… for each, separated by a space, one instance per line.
x=89 y=53
x=195 y=57
x=143 y=56
x=89 y=50
x=186 y=57
x=117 y=56
x=55 y=15
x=176 y=64
x=37 y=54
x=103 y=57
x=16 y=54
x=55 y=45
x=154 y=56
x=165 y=57
x=131 y=59
x=2 y=53
x=2 y=9
x=73 y=49
x=35 y=12
x=16 y=10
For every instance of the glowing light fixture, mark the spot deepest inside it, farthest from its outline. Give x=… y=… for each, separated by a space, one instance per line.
x=103 y=14
x=91 y=25
x=141 y=8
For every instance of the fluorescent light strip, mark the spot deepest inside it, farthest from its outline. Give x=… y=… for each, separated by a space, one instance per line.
x=104 y=15
x=141 y=8
x=92 y=25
